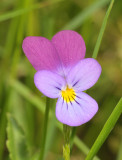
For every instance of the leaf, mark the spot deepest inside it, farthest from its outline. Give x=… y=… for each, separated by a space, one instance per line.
x=22 y=11
x=97 y=46
x=16 y=142
x=83 y=15
x=106 y=130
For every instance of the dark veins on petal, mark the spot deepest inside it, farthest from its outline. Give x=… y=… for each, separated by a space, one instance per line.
x=58 y=88
x=76 y=82
x=75 y=100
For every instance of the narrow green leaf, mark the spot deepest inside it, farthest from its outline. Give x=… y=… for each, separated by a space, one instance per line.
x=83 y=15
x=4 y=65
x=73 y=133
x=16 y=142
x=21 y=11
x=46 y=116
x=97 y=46
x=82 y=147
x=106 y=130
x=15 y=33
x=51 y=135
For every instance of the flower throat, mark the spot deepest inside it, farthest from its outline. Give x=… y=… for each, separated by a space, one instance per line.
x=68 y=94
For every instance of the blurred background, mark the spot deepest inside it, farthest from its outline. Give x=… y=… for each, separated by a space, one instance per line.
x=22 y=106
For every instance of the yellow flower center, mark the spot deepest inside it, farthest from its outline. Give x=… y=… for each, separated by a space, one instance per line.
x=68 y=94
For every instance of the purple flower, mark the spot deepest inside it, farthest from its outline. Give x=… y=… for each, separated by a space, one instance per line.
x=63 y=73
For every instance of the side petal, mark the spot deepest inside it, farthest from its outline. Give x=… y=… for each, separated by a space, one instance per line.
x=49 y=83
x=41 y=53
x=84 y=74
x=70 y=47
x=77 y=112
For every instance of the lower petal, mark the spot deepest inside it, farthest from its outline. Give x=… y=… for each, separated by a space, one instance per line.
x=77 y=112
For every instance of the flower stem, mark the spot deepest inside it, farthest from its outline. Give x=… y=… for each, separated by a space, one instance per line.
x=66 y=147
x=45 y=129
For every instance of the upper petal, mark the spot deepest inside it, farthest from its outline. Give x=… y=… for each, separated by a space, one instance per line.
x=84 y=74
x=49 y=83
x=77 y=112
x=41 y=53
x=70 y=47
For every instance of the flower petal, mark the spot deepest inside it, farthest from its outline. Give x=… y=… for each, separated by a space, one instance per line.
x=41 y=53
x=49 y=83
x=78 y=112
x=70 y=47
x=84 y=74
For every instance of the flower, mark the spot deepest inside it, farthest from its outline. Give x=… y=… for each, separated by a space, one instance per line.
x=64 y=73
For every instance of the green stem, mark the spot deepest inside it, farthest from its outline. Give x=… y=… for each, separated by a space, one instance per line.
x=45 y=129
x=79 y=19
x=97 y=46
x=66 y=147
x=106 y=130
x=73 y=133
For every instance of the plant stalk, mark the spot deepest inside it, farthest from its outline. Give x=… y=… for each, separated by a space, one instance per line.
x=45 y=129
x=66 y=147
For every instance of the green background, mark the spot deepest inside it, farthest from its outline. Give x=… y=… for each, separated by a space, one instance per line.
x=22 y=106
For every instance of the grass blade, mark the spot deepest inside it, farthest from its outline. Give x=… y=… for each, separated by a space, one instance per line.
x=16 y=142
x=97 y=46
x=21 y=11
x=46 y=116
x=106 y=130
x=83 y=15
x=4 y=65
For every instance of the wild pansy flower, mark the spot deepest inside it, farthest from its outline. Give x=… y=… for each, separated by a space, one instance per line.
x=63 y=73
